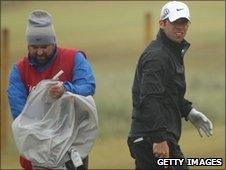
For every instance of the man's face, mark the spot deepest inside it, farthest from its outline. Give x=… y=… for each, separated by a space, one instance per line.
x=176 y=30
x=41 y=53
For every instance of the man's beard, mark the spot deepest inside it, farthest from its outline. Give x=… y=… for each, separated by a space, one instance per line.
x=41 y=60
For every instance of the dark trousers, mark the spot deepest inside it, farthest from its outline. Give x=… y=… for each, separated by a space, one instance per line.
x=142 y=152
x=70 y=166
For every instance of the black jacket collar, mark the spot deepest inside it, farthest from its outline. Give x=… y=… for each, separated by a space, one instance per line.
x=180 y=48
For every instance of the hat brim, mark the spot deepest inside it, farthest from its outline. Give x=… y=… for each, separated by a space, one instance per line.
x=176 y=17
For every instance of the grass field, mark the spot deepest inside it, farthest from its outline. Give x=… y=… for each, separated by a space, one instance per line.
x=112 y=35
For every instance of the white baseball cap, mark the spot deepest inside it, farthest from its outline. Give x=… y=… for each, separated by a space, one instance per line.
x=174 y=10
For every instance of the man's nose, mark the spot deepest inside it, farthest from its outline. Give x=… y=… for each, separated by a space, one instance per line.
x=39 y=51
x=181 y=26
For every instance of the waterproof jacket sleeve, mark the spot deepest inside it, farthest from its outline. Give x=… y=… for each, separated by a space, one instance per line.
x=152 y=93
x=17 y=93
x=83 y=80
x=185 y=108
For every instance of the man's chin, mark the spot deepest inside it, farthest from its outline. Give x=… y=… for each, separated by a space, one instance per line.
x=178 y=40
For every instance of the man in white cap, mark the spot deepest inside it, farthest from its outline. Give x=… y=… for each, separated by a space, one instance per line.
x=158 y=94
x=43 y=61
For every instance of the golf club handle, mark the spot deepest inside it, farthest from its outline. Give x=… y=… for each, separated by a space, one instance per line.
x=56 y=77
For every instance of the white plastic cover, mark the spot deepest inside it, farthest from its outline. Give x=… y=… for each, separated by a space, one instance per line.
x=46 y=129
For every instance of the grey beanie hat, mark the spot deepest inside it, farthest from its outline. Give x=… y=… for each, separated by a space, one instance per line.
x=40 y=30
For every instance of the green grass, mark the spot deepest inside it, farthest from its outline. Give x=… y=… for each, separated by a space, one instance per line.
x=113 y=153
x=112 y=35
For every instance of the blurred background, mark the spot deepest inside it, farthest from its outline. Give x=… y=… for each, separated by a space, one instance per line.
x=112 y=33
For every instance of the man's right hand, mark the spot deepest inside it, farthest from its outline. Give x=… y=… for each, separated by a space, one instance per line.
x=161 y=150
x=56 y=90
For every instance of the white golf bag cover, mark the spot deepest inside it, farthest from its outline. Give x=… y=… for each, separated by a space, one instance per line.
x=46 y=129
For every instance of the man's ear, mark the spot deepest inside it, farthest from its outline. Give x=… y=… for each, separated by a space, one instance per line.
x=161 y=24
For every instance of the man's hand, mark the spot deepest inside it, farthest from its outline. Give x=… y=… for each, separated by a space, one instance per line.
x=57 y=90
x=161 y=150
x=201 y=122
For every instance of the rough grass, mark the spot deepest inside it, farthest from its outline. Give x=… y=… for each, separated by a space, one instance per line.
x=111 y=33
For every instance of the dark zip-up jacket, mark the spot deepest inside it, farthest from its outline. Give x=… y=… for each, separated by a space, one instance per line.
x=158 y=91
